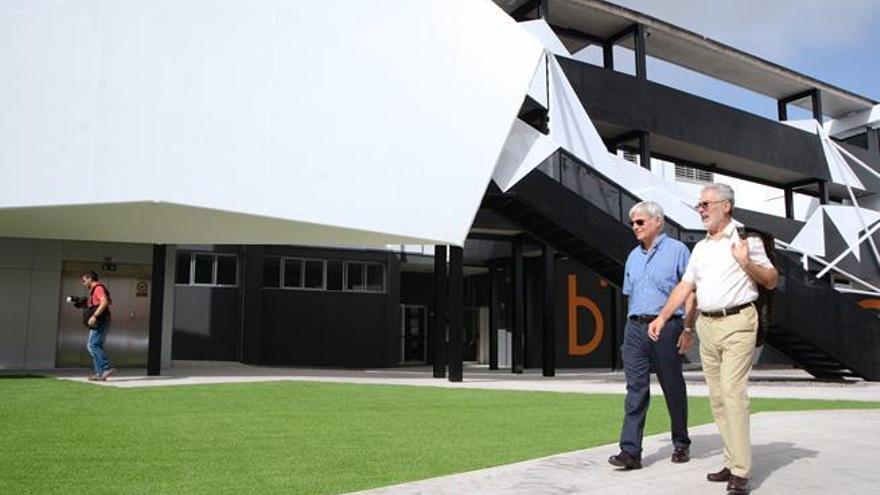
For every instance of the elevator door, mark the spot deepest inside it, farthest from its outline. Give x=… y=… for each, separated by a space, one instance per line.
x=127 y=339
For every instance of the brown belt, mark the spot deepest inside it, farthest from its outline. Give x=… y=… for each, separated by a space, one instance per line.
x=726 y=311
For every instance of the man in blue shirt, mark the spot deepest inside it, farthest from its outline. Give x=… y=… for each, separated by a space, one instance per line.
x=653 y=269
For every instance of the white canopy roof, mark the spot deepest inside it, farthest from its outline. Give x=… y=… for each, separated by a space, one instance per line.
x=254 y=122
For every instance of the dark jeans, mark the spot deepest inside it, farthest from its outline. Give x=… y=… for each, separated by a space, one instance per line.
x=641 y=356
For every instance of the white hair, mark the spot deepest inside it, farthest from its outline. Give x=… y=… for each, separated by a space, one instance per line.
x=649 y=208
x=725 y=192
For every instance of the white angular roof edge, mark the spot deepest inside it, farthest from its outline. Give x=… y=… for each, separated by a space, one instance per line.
x=345 y=125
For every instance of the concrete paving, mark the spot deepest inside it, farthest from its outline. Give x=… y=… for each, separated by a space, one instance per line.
x=769 y=383
x=793 y=452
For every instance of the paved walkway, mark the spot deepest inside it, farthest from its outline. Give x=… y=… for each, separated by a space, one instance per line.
x=818 y=452
x=785 y=383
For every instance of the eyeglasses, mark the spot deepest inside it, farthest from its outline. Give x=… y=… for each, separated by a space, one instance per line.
x=705 y=204
x=639 y=222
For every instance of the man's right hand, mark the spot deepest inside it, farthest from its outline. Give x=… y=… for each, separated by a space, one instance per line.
x=655 y=327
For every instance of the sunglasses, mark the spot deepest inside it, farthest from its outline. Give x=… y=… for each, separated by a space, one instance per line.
x=638 y=222
x=705 y=204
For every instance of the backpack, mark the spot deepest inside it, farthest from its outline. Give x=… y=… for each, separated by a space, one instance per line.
x=764 y=303
x=88 y=311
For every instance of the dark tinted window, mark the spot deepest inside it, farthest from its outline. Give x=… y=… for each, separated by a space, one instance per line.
x=293 y=273
x=314 y=274
x=375 y=277
x=204 y=269
x=355 y=274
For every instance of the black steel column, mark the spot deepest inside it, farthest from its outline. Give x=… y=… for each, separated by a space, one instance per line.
x=823 y=192
x=789 y=202
x=816 y=99
x=544 y=10
x=519 y=308
x=157 y=303
x=782 y=108
x=641 y=52
x=645 y=149
x=493 y=318
x=456 y=313
x=439 y=316
x=549 y=360
x=608 y=55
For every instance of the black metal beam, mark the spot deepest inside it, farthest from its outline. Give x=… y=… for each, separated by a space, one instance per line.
x=522 y=12
x=623 y=33
x=645 y=149
x=789 y=202
x=439 y=319
x=456 y=314
x=641 y=52
x=157 y=306
x=816 y=100
x=608 y=55
x=494 y=309
x=823 y=192
x=519 y=309
x=549 y=320
x=874 y=140
x=782 y=109
x=711 y=167
x=626 y=137
x=578 y=35
x=798 y=96
x=251 y=300
x=544 y=10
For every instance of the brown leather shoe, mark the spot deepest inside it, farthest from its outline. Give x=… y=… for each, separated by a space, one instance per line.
x=723 y=475
x=737 y=485
x=625 y=460
x=680 y=456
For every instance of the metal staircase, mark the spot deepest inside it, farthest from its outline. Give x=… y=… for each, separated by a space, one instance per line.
x=584 y=215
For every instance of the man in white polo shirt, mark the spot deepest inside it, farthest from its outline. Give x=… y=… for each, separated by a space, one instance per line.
x=724 y=270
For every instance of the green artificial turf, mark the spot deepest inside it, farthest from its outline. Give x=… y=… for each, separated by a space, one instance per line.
x=293 y=437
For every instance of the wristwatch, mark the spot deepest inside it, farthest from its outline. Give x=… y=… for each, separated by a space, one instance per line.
x=689 y=329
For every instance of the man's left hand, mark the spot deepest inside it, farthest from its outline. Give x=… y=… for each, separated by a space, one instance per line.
x=740 y=250
x=685 y=342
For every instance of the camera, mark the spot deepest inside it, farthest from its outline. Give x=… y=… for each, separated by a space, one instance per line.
x=77 y=301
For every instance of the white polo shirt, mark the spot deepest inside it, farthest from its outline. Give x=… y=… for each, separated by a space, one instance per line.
x=721 y=283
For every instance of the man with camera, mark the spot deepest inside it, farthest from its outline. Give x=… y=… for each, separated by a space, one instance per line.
x=97 y=319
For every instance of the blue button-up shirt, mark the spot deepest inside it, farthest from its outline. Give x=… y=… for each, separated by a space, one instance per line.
x=651 y=275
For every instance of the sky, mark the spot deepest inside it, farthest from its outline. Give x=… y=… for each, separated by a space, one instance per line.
x=835 y=41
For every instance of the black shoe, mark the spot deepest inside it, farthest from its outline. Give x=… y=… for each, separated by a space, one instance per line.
x=737 y=485
x=723 y=475
x=625 y=460
x=680 y=456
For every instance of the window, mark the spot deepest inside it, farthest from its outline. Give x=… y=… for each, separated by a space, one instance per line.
x=314 y=278
x=293 y=273
x=354 y=276
x=323 y=275
x=685 y=173
x=206 y=269
x=375 y=277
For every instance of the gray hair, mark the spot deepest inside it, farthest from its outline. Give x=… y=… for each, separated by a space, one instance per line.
x=650 y=208
x=725 y=192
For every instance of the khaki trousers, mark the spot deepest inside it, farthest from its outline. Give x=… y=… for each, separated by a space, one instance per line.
x=727 y=345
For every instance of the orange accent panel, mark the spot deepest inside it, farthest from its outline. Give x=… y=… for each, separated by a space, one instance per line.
x=870 y=303
x=574 y=302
